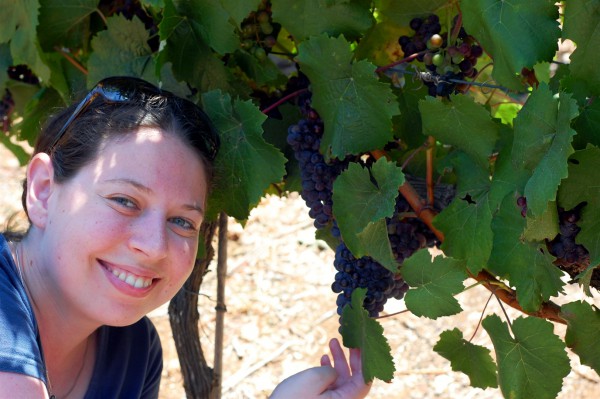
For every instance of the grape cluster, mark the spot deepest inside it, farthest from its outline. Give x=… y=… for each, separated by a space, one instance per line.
x=317 y=175
x=571 y=257
x=365 y=272
x=448 y=59
x=407 y=235
x=22 y=73
x=259 y=32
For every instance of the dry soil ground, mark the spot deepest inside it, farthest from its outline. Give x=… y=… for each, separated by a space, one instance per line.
x=281 y=313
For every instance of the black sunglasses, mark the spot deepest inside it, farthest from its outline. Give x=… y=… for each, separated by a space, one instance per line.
x=120 y=89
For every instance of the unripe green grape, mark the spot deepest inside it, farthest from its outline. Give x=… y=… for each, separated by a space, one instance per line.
x=262 y=17
x=266 y=28
x=260 y=53
x=438 y=59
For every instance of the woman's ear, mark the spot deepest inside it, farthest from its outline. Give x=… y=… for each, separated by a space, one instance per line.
x=40 y=180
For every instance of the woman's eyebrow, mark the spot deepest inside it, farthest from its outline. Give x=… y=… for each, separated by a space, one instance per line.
x=141 y=187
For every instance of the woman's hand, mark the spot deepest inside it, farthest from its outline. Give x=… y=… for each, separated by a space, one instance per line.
x=342 y=380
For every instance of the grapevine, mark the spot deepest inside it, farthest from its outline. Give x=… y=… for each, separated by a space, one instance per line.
x=451 y=125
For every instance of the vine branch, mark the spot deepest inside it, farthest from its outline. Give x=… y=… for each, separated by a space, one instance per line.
x=549 y=310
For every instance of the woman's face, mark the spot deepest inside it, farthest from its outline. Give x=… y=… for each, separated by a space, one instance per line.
x=122 y=235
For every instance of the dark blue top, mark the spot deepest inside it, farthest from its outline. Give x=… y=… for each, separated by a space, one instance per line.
x=128 y=359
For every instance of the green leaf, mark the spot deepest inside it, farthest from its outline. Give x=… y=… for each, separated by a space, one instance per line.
x=462 y=123
x=533 y=362
x=473 y=360
x=5 y=62
x=515 y=34
x=401 y=12
x=581 y=185
x=587 y=126
x=238 y=10
x=18 y=27
x=360 y=331
x=305 y=18
x=407 y=124
x=434 y=282
x=121 y=49
x=583 y=330
x=186 y=48
x=543 y=143
x=543 y=227
x=246 y=164
x=360 y=207
x=527 y=265
x=64 y=23
x=466 y=222
x=581 y=23
x=355 y=107
x=262 y=71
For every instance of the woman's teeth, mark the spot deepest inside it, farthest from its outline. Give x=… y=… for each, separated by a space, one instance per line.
x=132 y=280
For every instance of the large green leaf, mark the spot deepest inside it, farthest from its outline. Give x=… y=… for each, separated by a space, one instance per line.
x=466 y=222
x=462 y=123
x=516 y=34
x=542 y=144
x=533 y=362
x=246 y=164
x=527 y=265
x=356 y=108
x=401 y=12
x=587 y=126
x=583 y=330
x=189 y=52
x=360 y=207
x=360 y=331
x=581 y=23
x=121 y=49
x=64 y=23
x=434 y=284
x=582 y=185
x=473 y=360
x=305 y=18
x=18 y=27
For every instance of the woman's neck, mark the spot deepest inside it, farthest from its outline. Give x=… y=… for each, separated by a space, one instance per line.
x=66 y=359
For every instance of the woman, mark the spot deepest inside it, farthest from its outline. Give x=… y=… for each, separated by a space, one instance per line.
x=115 y=195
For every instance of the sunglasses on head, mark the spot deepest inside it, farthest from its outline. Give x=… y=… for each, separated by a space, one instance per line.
x=120 y=89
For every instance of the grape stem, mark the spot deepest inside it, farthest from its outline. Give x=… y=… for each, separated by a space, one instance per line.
x=549 y=310
x=481 y=317
x=402 y=61
x=282 y=100
x=72 y=60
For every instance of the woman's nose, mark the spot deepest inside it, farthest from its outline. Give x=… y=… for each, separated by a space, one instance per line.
x=149 y=235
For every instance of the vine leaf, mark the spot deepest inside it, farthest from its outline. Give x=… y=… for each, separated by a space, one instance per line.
x=401 y=12
x=578 y=187
x=434 y=283
x=544 y=226
x=514 y=34
x=356 y=108
x=121 y=49
x=466 y=222
x=64 y=22
x=360 y=208
x=462 y=123
x=246 y=164
x=473 y=360
x=305 y=18
x=581 y=23
x=583 y=329
x=527 y=265
x=185 y=46
x=360 y=331
x=533 y=362
x=18 y=27
x=542 y=144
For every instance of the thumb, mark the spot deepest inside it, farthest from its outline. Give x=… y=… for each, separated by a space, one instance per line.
x=307 y=384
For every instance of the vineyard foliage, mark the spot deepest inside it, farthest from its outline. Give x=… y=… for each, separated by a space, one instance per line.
x=482 y=106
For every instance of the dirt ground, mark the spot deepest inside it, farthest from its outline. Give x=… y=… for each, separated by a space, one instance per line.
x=281 y=313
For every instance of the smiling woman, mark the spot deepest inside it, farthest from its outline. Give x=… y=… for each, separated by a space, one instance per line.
x=115 y=194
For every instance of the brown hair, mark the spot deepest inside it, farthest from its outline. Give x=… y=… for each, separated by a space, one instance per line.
x=103 y=120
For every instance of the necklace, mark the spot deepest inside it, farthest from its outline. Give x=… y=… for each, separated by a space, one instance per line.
x=87 y=342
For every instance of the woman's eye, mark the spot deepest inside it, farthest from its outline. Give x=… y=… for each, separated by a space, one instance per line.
x=125 y=202
x=183 y=223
